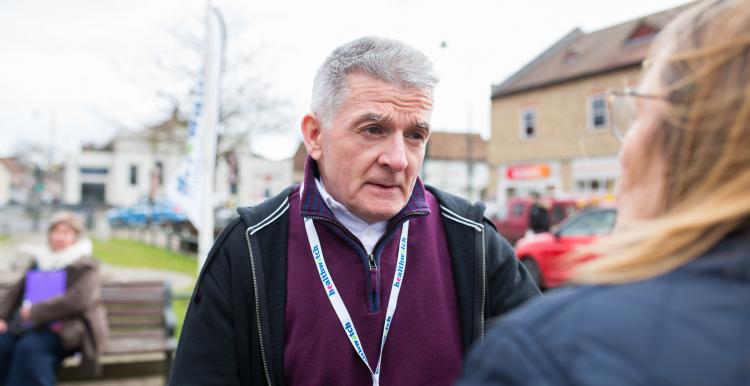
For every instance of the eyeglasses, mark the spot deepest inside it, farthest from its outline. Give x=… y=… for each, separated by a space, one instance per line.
x=622 y=111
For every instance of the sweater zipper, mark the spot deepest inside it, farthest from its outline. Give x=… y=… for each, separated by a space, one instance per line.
x=257 y=311
x=374 y=283
x=370 y=257
x=373 y=277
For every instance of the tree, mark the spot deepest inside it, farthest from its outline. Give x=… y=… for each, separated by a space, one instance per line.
x=248 y=105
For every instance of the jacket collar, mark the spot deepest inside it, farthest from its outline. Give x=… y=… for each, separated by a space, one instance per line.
x=313 y=205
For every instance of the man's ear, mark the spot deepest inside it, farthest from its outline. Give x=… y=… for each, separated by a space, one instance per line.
x=311 y=130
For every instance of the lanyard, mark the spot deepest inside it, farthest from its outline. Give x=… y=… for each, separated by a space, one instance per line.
x=338 y=304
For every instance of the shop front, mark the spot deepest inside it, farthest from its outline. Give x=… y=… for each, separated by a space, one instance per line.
x=522 y=179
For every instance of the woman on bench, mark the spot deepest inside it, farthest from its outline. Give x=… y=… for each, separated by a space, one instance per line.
x=54 y=310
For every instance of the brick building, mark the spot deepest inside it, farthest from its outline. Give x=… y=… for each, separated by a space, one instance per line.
x=550 y=124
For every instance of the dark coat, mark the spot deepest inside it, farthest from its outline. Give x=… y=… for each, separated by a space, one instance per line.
x=234 y=328
x=80 y=309
x=688 y=327
x=538 y=218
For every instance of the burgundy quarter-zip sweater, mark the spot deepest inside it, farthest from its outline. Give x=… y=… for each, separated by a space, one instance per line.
x=424 y=345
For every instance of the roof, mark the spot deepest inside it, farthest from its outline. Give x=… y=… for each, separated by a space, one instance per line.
x=13 y=165
x=579 y=55
x=454 y=146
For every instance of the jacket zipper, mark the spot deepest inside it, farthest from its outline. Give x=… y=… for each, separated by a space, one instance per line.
x=484 y=289
x=257 y=311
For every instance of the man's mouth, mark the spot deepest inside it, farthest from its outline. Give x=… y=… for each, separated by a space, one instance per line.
x=384 y=185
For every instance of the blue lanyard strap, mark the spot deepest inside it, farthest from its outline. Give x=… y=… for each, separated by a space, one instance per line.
x=338 y=303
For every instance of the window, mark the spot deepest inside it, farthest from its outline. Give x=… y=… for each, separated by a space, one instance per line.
x=92 y=193
x=100 y=171
x=597 y=112
x=598 y=222
x=609 y=185
x=558 y=213
x=644 y=33
x=517 y=210
x=606 y=185
x=160 y=172
x=528 y=123
x=133 y=175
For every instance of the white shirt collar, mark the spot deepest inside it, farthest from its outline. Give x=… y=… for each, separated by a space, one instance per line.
x=367 y=233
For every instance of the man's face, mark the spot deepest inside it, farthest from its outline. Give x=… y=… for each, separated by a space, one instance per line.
x=370 y=155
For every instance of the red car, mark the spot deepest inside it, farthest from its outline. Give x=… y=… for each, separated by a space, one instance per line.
x=514 y=225
x=541 y=253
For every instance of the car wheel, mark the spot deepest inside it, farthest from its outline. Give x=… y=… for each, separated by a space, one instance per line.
x=533 y=268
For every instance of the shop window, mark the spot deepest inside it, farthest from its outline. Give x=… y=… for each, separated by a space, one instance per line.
x=610 y=184
x=595 y=186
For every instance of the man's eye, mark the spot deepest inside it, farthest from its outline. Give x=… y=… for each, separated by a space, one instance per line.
x=417 y=136
x=373 y=130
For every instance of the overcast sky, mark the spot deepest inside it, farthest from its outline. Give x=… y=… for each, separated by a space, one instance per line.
x=74 y=71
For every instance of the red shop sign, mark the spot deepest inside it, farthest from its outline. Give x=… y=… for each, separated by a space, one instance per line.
x=528 y=172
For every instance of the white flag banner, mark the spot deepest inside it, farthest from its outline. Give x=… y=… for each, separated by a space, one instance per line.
x=183 y=188
x=191 y=187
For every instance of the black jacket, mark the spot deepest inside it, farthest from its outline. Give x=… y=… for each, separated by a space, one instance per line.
x=234 y=328
x=688 y=327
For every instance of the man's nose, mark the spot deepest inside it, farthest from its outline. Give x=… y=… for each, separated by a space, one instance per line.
x=393 y=155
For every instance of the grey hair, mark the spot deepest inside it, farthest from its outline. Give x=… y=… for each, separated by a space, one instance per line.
x=389 y=60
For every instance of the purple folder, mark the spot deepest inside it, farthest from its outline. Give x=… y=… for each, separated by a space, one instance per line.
x=43 y=285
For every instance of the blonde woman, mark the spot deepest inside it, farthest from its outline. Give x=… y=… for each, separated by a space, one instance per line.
x=669 y=301
x=54 y=311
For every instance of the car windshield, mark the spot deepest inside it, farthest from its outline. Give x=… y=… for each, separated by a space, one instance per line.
x=597 y=222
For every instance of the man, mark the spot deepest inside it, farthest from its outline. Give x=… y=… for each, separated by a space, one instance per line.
x=360 y=275
x=538 y=215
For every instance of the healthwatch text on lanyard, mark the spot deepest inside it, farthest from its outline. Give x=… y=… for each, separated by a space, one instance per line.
x=338 y=303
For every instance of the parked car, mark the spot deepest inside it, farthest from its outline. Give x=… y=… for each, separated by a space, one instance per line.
x=542 y=253
x=143 y=213
x=514 y=225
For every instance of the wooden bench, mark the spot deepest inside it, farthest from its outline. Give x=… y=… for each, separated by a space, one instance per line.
x=141 y=332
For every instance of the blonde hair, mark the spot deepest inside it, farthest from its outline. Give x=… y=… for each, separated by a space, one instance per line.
x=704 y=140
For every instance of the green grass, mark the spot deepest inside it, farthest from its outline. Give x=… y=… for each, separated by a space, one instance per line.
x=179 y=306
x=130 y=253
x=3 y=238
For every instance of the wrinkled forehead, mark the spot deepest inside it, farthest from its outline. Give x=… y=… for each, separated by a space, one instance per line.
x=363 y=85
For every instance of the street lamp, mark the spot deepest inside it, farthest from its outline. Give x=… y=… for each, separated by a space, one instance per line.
x=469 y=131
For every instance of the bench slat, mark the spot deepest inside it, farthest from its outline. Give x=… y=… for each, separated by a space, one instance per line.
x=134 y=312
